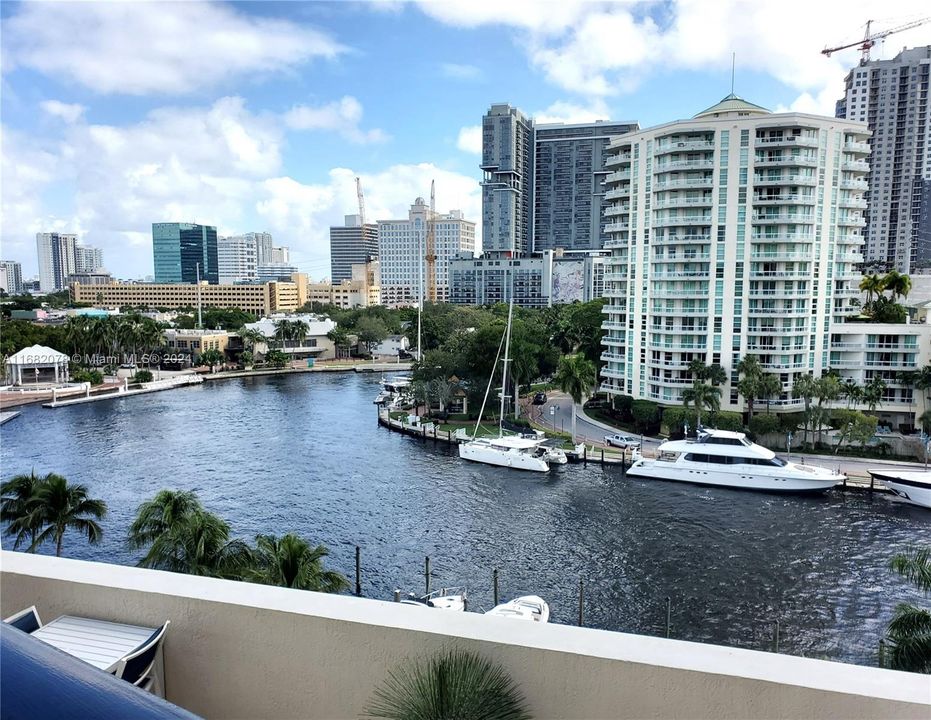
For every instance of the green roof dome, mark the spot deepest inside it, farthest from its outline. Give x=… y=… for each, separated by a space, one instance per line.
x=732 y=103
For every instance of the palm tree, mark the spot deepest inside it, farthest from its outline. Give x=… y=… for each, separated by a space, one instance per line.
x=909 y=631
x=16 y=494
x=442 y=390
x=59 y=506
x=715 y=374
x=200 y=545
x=770 y=386
x=898 y=284
x=702 y=396
x=852 y=392
x=872 y=393
x=872 y=285
x=749 y=385
x=290 y=561
x=160 y=515
x=698 y=369
x=805 y=387
x=254 y=337
x=575 y=376
x=457 y=684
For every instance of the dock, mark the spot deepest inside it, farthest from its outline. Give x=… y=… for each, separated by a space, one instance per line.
x=121 y=392
x=5 y=417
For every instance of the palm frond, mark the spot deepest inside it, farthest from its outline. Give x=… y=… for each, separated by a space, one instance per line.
x=455 y=684
x=909 y=639
x=915 y=566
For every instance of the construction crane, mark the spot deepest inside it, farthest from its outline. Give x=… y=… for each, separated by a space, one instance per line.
x=869 y=40
x=361 y=202
x=430 y=255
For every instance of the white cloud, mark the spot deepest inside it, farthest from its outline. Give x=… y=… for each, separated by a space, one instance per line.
x=66 y=111
x=566 y=112
x=342 y=116
x=455 y=71
x=470 y=139
x=140 y=47
x=599 y=49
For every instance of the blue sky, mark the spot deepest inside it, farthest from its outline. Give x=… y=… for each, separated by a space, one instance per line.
x=258 y=116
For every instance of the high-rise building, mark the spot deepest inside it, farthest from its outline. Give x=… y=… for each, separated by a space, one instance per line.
x=401 y=248
x=178 y=250
x=87 y=259
x=351 y=244
x=270 y=272
x=507 y=187
x=56 y=259
x=891 y=97
x=263 y=246
x=568 y=185
x=279 y=256
x=735 y=233
x=11 y=277
x=237 y=258
x=491 y=279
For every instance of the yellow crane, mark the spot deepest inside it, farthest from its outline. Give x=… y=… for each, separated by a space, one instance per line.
x=869 y=40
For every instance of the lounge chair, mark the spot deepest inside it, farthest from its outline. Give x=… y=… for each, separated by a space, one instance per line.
x=137 y=667
x=26 y=620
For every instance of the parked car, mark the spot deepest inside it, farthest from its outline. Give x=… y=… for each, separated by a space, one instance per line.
x=622 y=441
x=539 y=399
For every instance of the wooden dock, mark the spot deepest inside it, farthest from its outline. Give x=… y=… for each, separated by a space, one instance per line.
x=5 y=417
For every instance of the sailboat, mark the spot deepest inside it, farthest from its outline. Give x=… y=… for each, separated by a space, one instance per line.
x=505 y=451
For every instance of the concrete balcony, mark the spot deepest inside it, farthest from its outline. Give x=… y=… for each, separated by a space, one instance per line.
x=861 y=148
x=617 y=227
x=609 y=325
x=615 y=210
x=683 y=202
x=787 y=312
x=677 y=312
x=233 y=649
x=789 y=292
x=857 y=202
x=783 y=238
x=858 y=184
x=785 y=179
x=681 y=240
x=619 y=176
x=785 y=161
x=694 y=257
x=855 y=166
x=851 y=221
x=663 y=293
x=781 y=274
x=786 y=141
x=672 y=347
x=665 y=148
x=617 y=160
x=617 y=194
x=685 y=221
x=704 y=182
x=615 y=276
x=784 y=200
x=781 y=218
x=780 y=256
x=678 y=165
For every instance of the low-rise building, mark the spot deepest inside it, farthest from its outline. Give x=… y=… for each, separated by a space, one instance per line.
x=94 y=277
x=315 y=343
x=363 y=290
x=196 y=342
x=392 y=346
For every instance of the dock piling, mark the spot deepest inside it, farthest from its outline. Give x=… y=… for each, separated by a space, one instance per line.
x=776 y=636
x=358 y=571
x=426 y=573
x=882 y=653
x=494 y=582
x=581 y=602
x=668 y=616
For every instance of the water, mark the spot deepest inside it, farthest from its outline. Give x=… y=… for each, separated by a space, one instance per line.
x=304 y=453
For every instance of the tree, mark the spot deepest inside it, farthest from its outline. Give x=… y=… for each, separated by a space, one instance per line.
x=575 y=376
x=769 y=386
x=698 y=369
x=749 y=385
x=180 y=536
x=252 y=338
x=715 y=374
x=211 y=357
x=805 y=387
x=290 y=561
x=371 y=331
x=852 y=392
x=645 y=415
x=442 y=389
x=59 y=506
x=142 y=376
x=909 y=632
x=457 y=684
x=16 y=494
x=277 y=358
x=872 y=393
x=897 y=284
x=854 y=426
x=340 y=338
x=873 y=286
x=701 y=396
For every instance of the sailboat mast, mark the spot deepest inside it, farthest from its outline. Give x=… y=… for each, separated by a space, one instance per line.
x=504 y=372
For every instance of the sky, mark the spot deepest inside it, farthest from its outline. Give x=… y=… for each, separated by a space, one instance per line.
x=258 y=116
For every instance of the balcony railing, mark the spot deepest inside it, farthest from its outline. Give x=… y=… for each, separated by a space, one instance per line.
x=856 y=166
x=790 y=140
x=682 y=202
x=784 y=179
x=617 y=193
x=796 y=161
x=682 y=221
x=784 y=200
x=686 y=183
x=783 y=238
x=857 y=147
x=614 y=210
x=686 y=145
x=619 y=176
x=617 y=227
x=681 y=240
x=615 y=160
x=795 y=218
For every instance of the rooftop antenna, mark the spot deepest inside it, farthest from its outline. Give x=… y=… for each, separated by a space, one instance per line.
x=733 y=69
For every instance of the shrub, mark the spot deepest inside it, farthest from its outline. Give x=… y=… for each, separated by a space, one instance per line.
x=84 y=375
x=142 y=376
x=624 y=405
x=764 y=423
x=645 y=415
x=724 y=420
x=675 y=417
x=790 y=422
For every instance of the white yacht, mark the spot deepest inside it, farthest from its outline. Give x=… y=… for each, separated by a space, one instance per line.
x=444 y=599
x=393 y=390
x=727 y=459
x=510 y=451
x=915 y=487
x=527 y=607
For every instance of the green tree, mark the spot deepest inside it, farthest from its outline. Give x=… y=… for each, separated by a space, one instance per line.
x=16 y=497
x=142 y=376
x=770 y=386
x=715 y=374
x=805 y=387
x=872 y=393
x=854 y=427
x=211 y=358
x=898 y=285
x=252 y=338
x=456 y=684
x=59 y=506
x=575 y=376
x=909 y=632
x=290 y=561
x=165 y=512
x=340 y=339
x=371 y=331
x=873 y=286
x=702 y=396
x=645 y=415
x=749 y=385
x=277 y=358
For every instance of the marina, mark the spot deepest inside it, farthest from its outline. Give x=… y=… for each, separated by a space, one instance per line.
x=302 y=452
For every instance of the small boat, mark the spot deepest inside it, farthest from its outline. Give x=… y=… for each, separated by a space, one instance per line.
x=527 y=607
x=445 y=599
x=393 y=390
x=913 y=486
x=554 y=455
x=722 y=458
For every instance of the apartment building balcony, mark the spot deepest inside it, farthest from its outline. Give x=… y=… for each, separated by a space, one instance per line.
x=851 y=184
x=857 y=202
x=664 y=293
x=685 y=240
x=847 y=292
x=892 y=364
x=781 y=218
x=851 y=221
x=619 y=176
x=786 y=141
x=785 y=161
x=615 y=276
x=683 y=202
x=615 y=373
x=673 y=347
x=901 y=346
x=780 y=256
x=679 y=165
x=785 y=179
x=784 y=199
x=862 y=148
x=665 y=184
x=849 y=239
x=611 y=357
x=615 y=292
x=617 y=193
x=855 y=166
x=612 y=325
x=781 y=274
x=681 y=364
x=664 y=148
x=684 y=258
x=682 y=221
x=771 y=292
x=617 y=227
x=850 y=257
x=677 y=312
x=786 y=312
x=618 y=159
x=783 y=366
x=681 y=275
x=615 y=210
x=678 y=330
x=783 y=238
x=671 y=382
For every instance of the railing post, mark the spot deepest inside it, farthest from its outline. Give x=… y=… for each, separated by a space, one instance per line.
x=397 y=595
x=494 y=582
x=358 y=571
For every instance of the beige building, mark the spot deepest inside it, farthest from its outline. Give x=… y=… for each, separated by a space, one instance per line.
x=263 y=299
x=196 y=342
x=363 y=290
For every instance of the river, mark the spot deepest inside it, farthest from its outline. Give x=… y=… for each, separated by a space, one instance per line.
x=304 y=453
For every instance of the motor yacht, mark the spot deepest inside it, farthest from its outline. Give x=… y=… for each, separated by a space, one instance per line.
x=915 y=487
x=527 y=607
x=723 y=458
x=443 y=599
x=509 y=451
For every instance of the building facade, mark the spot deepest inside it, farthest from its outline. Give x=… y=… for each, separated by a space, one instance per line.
x=258 y=299
x=56 y=259
x=101 y=277
x=891 y=97
x=182 y=252
x=491 y=279
x=237 y=258
x=507 y=186
x=735 y=233
x=401 y=248
x=87 y=259
x=351 y=244
x=11 y=277
x=568 y=185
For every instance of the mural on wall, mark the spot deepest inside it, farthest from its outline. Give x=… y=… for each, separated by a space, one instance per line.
x=568 y=281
